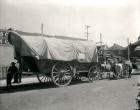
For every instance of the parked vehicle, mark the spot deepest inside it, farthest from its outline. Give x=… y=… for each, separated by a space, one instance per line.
x=59 y=59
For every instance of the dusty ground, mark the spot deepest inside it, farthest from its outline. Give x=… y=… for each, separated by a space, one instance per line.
x=100 y=95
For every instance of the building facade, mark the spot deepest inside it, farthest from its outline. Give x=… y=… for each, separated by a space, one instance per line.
x=6 y=53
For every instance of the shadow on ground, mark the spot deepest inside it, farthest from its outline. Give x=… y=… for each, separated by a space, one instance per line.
x=34 y=86
x=37 y=85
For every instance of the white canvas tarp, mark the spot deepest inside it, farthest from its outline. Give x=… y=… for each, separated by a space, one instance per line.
x=53 y=48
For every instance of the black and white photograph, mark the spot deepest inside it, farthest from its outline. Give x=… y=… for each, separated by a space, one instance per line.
x=69 y=54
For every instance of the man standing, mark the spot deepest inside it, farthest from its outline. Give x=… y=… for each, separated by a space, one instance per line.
x=16 y=75
x=11 y=71
x=18 y=65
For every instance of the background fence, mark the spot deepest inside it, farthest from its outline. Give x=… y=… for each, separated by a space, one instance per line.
x=3 y=72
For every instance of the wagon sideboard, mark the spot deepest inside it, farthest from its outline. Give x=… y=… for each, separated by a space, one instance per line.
x=45 y=66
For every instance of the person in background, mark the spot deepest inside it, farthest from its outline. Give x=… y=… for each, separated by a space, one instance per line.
x=128 y=63
x=11 y=71
x=16 y=75
x=134 y=65
x=19 y=71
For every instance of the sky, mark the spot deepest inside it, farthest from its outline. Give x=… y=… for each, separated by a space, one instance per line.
x=117 y=20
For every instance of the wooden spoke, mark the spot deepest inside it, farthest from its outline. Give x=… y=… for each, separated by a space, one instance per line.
x=56 y=69
x=67 y=71
x=56 y=76
x=42 y=77
x=57 y=79
x=68 y=74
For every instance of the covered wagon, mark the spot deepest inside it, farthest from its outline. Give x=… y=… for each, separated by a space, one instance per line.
x=58 y=58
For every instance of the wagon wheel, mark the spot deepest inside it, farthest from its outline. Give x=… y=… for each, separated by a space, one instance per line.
x=93 y=73
x=42 y=77
x=61 y=74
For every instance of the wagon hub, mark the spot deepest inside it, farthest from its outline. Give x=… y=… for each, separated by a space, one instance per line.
x=61 y=73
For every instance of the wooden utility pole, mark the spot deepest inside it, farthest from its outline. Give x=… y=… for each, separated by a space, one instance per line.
x=42 y=27
x=87 y=32
x=101 y=39
x=128 y=49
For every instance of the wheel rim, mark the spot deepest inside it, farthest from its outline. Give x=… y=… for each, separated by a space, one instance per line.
x=42 y=78
x=93 y=74
x=61 y=74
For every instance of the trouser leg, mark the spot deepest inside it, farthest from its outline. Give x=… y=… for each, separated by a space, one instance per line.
x=130 y=73
x=19 y=77
x=16 y=77
x=9 y=79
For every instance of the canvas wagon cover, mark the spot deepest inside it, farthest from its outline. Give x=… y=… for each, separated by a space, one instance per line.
x=52 y=48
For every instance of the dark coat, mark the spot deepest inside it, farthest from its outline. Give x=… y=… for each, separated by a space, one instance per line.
x=12 y=70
